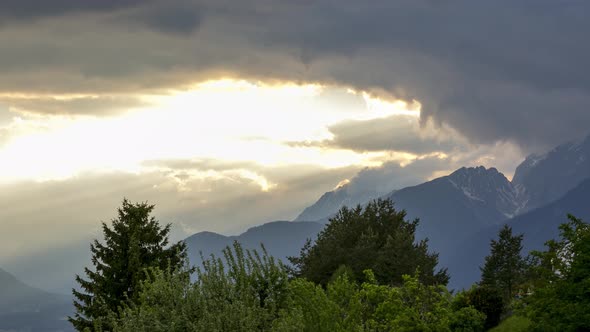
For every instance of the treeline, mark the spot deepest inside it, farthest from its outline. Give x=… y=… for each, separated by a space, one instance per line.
x=365 y=272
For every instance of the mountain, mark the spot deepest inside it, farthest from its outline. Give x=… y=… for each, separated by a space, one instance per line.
x=537 y=225
x=24 y=308
x=332 y=201
x=546 y=177
x=470 y=202
x=452 y=208
x=52 y=269
x=280 y=238
x=541 y=224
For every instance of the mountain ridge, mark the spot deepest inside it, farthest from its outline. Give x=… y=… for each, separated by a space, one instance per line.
x=23 y=307
x=281 y=238
x=455 y=207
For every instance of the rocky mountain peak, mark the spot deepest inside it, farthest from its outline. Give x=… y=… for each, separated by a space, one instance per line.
x=543 y=178
x=488 y=186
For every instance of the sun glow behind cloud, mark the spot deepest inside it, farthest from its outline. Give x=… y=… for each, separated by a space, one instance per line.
x=228 y=120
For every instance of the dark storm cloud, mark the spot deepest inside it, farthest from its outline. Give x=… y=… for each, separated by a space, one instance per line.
x=490 y=69
x=400 y=133
x=178 y=17
x=494 y=70
x=30 y=9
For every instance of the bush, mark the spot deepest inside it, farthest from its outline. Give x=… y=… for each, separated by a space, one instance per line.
x=242 y=292
x=345 y=306
x=513 y=324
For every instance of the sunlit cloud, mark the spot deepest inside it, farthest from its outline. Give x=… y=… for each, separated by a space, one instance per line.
x=225 y=120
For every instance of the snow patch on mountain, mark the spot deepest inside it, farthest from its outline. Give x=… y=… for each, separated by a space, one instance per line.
x=545 y=178
x=489 y=187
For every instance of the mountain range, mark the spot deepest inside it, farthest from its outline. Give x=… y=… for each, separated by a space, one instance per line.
x=459 y=213
x=25 y=308
x=280 y=238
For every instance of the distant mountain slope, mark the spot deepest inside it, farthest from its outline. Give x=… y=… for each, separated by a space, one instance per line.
x=545 y=178
x=454 y=207
x=24 y=308
x=52 y=269
x=280 y=238
x=457 y=207
x=332 y=201
x=538 y=226
x=541 y=224
x=450 y=208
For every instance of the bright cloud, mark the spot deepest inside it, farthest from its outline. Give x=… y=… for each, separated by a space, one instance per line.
x=229 y=120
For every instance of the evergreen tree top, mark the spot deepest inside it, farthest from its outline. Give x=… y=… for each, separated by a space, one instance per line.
x=133 y=243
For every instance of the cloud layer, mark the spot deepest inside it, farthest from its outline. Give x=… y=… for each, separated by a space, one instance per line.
x=493 y=71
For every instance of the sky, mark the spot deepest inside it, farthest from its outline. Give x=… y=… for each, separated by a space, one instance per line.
x=229 y=114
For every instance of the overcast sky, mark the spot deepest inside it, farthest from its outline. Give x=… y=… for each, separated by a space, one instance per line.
x=227 y=114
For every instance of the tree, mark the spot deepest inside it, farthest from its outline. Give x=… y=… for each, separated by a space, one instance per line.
x=244 y=291
x=343 y=305
x=504 y=268
x=135 y=242
x=484 y=299
x=562 y=300
x=378 y=238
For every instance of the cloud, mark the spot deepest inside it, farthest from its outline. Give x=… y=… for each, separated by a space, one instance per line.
x=391 y=176
x=51 y=213
x=31 y=9
x=400 y=133
x=53 y=219
x=202 y=164
x=79 y=105
x=180 y=18
x=491 y=70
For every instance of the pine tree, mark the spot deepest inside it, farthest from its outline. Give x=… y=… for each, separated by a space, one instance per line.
x=504 y=268
x=134 y=243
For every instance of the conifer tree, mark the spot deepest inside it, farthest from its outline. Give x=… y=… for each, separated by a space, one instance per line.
x=134 y=242
x=505 y=268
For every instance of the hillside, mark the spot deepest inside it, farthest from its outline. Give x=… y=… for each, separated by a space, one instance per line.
x=538 y=226
x=280 y=238
x=24 y=308
x=546 y=177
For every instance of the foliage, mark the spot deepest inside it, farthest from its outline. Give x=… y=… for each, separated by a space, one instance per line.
x=378 y=238
x=230 y=300
x=505 y=269
x=345 y=306
x=513 y=324
x=562 y=298
x=484 y=299
x=135 y=242
x=242 y=292
x=139 y=285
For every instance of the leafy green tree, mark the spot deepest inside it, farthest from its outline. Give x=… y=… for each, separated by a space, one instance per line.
x=484 y=299
x=505 y=268
x=345 y=306
x=561 y=301
x=376 y=237
x=247 y=293
x=134 y=242
x=244 y=291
